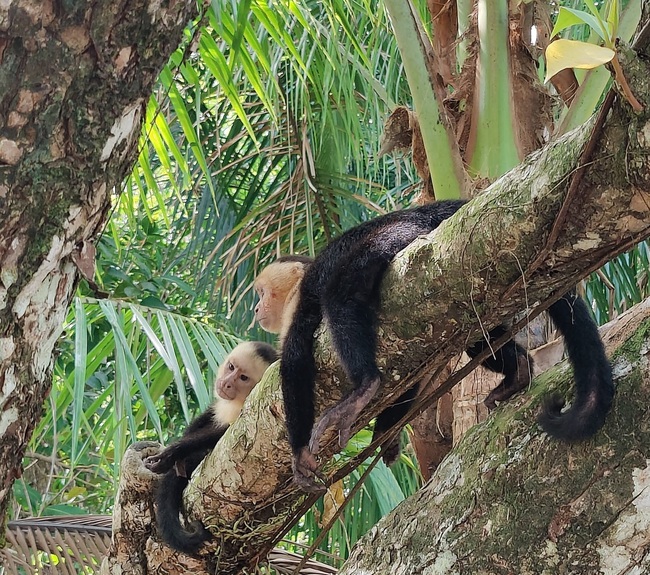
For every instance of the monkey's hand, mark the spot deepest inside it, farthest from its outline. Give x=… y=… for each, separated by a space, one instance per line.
x=305 y=472
x=160 y=463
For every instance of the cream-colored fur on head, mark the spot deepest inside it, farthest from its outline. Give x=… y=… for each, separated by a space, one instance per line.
x=224 y=411
x=244 y=361
x=277 y=287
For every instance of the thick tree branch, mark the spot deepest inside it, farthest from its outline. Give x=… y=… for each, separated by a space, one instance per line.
x=74 y=81
x=510 y=500
x=433 y=298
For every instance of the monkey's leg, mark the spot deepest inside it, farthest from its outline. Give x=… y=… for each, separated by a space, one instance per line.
x=349 y=307
x=388 y=418
x=511 y=360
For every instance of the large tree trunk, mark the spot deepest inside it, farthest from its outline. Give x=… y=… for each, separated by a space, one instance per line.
x=74 y=81
x=508 y=499
x=482 y=263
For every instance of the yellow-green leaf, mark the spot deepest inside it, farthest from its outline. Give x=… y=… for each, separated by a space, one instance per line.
x=613 y=17
x=563 y=54
x=568 y=17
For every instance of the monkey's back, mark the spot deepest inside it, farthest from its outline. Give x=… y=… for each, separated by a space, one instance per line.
x=362 y=254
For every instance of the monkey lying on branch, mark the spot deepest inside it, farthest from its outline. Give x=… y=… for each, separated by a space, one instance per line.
x=240 y=372
x=278 y=287
x=342 y=285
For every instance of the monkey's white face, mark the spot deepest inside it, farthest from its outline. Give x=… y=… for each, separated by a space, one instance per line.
x=268 y=311
x=239 y=373
x=233 y=382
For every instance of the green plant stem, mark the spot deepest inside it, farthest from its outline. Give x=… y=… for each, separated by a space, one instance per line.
x=445 y=163
x=495 y=149
x=464 y=10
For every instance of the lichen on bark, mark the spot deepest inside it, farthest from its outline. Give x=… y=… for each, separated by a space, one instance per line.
x=508 y=499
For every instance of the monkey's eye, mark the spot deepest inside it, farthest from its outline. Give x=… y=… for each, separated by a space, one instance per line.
x=243 y=377
x=231 y=367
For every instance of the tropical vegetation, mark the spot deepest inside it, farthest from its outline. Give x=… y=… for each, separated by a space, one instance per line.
x=262 y=138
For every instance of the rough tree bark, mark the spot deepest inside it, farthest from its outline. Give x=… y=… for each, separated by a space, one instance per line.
x=74 y=81
x=510 y=500
x=529 y=238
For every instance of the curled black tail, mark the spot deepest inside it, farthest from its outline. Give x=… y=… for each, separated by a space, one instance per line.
x=591 y=370
x=169 y=502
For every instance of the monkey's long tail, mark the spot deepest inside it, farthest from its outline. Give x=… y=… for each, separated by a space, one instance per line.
x=169 y=502
x=592 y=373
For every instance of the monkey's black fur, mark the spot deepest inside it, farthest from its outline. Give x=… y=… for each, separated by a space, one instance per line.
x=343 y=284
x=178 y=461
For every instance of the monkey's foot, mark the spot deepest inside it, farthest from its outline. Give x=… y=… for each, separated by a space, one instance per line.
x=392 y=451
x=511 y=383
x=343 y=415
x=305 y=472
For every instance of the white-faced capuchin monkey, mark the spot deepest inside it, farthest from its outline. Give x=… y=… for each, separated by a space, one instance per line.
x=278 y=287
x=342 y=284
x=236 y=377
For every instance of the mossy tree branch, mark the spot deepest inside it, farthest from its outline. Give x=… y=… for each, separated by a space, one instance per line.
x=479 y=264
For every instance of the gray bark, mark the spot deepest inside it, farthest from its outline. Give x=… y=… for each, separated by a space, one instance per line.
x=479 y=264
x=74 y=81
x=508 y=499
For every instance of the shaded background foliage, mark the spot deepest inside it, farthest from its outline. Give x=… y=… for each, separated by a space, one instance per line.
x=262 y=139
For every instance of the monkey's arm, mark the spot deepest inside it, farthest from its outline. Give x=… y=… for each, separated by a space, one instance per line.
x=202 y=435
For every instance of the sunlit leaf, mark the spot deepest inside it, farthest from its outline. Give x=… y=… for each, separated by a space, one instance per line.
x=563 y=54
x=567 y=17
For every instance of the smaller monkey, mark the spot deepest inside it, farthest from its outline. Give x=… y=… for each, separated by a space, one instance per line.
x=236 y=377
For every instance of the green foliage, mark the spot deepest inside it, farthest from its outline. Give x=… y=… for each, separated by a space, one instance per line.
x=605 y=26
x=620 y=284
x=260 y=140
